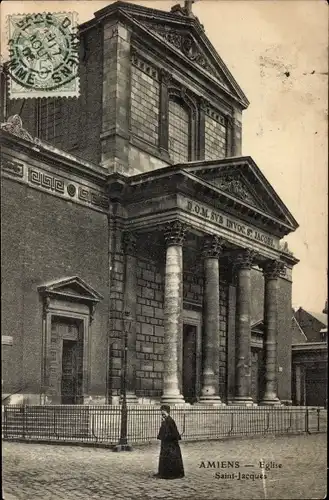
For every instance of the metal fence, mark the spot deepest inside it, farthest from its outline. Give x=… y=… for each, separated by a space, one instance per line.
x=101 y=424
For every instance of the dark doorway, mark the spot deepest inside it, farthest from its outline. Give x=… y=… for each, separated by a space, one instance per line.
x=189 y=363
x=316 y=386
x=72 y=362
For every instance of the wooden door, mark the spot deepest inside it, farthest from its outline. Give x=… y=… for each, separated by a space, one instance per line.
x=66 y=363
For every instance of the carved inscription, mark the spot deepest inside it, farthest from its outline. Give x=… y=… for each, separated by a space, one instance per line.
x=229 y=223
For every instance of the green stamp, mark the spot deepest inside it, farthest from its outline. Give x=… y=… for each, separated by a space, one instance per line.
x=44 y=55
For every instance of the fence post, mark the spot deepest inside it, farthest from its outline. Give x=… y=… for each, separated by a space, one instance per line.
x=318 y=412
x=24 y=422
x=5 y=431
x=306 y=421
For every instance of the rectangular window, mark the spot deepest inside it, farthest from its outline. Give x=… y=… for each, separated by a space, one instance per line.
x=50 y=126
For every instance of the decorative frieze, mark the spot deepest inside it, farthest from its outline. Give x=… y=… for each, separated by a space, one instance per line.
x=143 y=65
x=92 y=197
x=46 y=180
x=214 y=114
x=54 y=184
x=12 y=167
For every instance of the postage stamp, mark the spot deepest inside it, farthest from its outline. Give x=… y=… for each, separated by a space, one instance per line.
x=44 y=55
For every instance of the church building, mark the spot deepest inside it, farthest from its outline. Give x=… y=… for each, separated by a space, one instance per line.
x=131 y=222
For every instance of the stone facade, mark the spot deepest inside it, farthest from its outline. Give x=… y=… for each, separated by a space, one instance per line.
x=144 y=227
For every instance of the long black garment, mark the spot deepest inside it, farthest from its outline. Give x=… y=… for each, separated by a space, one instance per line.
x=170 y=461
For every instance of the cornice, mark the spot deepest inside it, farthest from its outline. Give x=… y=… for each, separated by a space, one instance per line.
x=181 y=181
x=227 y=165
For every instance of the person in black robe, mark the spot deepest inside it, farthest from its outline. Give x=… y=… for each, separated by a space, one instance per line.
x=170 y=460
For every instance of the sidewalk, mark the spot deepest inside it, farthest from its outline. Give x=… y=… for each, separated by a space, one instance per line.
x=49 y=472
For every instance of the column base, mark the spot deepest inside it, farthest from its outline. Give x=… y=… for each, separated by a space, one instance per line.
x=131 y=399
x=210 y=400
x=174 y=399
x=270 y=401
x=242 y=401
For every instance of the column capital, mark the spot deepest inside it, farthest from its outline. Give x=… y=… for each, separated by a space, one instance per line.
x=212 y=246
x=245 y=259
x=203 y=103
x=174 y=233
x=273 y=269
x=129 y=242
x=166 y=76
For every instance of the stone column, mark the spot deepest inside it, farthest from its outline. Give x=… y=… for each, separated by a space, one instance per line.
x=211 y=340
x=130 y=307
x=173 y=311
x=272 y=270
x=243 y=265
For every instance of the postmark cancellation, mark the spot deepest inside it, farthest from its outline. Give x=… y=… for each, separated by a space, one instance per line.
x=44 y=55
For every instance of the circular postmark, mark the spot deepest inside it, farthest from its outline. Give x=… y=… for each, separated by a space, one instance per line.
x=43 y=50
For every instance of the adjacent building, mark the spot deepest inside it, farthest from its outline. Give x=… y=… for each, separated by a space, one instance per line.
x=310 y=358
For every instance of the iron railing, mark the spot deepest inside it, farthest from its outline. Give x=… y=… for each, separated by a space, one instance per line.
x=101 y=424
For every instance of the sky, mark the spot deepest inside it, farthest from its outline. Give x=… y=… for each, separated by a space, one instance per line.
x=277 y=50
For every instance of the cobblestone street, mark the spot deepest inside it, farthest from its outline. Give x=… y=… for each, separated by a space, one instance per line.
x=49 y=472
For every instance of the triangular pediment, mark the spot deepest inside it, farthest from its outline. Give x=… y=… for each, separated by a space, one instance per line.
x=240 y=179
x=73 y=287
x=193 y=45
x=257 y=326
x=188 y=44
x=185 y=36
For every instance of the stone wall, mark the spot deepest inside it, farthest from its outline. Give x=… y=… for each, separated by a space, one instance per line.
x=145 y=94
x=150 y=330
x=46 y=238
x=215 y=136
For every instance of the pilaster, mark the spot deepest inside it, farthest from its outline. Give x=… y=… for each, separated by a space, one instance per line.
x=116 y=96
x=116 y=301
x=130 y=300
x=165 y=79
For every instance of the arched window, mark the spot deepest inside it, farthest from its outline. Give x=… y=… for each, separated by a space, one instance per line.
x=179 y=131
